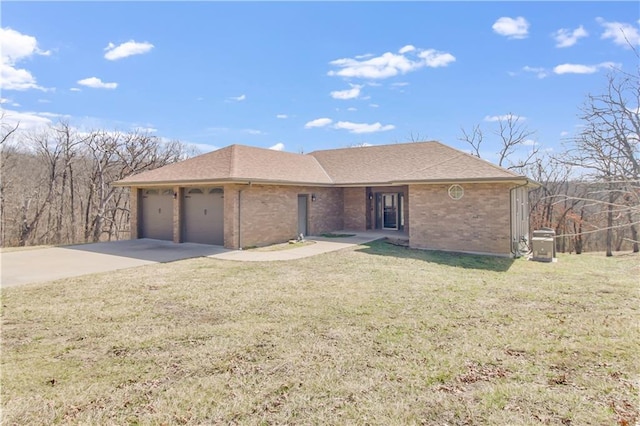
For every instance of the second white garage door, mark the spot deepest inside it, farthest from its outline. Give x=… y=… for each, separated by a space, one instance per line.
x=203 y=216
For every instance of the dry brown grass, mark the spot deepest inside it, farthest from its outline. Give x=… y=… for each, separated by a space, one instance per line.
x=373 y=335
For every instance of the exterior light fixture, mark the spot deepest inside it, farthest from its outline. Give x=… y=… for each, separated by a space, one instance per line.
x=313 y=197
x=371 y=195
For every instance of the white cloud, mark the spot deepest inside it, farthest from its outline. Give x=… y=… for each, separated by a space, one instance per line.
x=529 y=142
x=564 y=133
x=238 y=98
x=352 y=109
x=96 y=83
x=538 y=71
x=145 y=129
x=583 y=69
x=390 y=64
x=517 y=28
x=374 y=105
x=407 y=48
x=318 y=122
x=400 y=84
x=277 y=147
x=44 y=101
x=75 y=89
x=283 y=116
x=124 y=50
x=434 y=59
x=492 y=118
x=27 y=120
x=363 y=127
x=254 y=131
x=567 y=38
x=352 y=93
x=4 y=101
x=52 y=115
x=622 y=34
x=17 y=46
x=14 y=48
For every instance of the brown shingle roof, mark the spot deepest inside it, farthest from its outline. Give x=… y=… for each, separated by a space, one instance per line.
x=382 y=164
x=237 y=163
x=406 y=162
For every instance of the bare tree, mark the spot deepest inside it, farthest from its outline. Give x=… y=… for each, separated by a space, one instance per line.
x=56 y=187
x=7 y=132
x=607 y=150
x=513 y=136
x=6 y=129
x=473 y=138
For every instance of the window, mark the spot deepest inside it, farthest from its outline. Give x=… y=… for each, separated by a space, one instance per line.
x=195 y=191
x=151 y=192
x=216 y=191
x=456 y=192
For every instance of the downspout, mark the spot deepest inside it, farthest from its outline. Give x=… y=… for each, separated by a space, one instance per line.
x=514 y=251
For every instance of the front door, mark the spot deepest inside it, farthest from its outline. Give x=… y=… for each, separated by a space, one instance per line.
x=389 y=211
x=302 y=215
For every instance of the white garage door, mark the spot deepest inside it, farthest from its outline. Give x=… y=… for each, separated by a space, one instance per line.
x=157 y=214
x=204 y=216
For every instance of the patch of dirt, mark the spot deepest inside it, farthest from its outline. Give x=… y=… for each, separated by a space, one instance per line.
x=484 y=373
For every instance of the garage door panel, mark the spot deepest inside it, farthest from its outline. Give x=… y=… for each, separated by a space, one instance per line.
x=203 y=216
x=157 y=214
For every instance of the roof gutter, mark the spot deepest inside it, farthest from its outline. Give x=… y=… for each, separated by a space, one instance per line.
x=195 y=182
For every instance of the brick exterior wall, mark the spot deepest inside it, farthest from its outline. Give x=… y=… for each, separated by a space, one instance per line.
x=134 y=215
x=326 y=213
x=355 y=209
x=269 y=213
x=479 y=222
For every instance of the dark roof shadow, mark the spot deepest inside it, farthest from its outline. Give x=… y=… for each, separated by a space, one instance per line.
x=148 y=249
x=461 y=260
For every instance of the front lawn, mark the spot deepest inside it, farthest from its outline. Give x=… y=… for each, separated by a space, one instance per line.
x=376 y=334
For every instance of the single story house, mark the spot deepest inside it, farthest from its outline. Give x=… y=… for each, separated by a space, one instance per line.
x=239 y=196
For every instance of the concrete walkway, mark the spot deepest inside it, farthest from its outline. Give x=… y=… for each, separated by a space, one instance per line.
x=322 y=245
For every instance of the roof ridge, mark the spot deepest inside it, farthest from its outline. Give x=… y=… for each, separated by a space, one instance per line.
x=495 y=166
x=321 y=167
x=233 y=160
x=373 y=146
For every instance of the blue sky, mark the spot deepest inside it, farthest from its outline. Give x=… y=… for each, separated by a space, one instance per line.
x=302 y=76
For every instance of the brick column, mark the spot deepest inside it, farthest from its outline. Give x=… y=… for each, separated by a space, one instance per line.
x=177 y=213
x=134 y=202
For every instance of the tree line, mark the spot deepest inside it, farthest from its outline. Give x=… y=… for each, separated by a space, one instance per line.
x=55 y=185
x=590 y=192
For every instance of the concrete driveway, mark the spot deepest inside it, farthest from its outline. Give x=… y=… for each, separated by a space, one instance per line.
x=39 y=265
